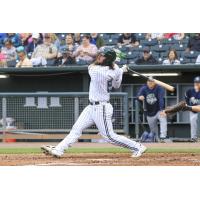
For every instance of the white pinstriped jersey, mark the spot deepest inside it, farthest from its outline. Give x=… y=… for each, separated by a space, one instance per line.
x=101 y=76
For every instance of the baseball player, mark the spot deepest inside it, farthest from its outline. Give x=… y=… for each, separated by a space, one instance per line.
x=153 y=96
x=192 y=98
x=104 y=73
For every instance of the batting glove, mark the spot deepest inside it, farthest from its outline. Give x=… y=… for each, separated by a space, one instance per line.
x=125 y=68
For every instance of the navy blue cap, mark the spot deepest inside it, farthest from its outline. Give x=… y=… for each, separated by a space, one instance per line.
x=197 y=79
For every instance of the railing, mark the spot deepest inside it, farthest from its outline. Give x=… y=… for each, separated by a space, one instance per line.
x=53 y=113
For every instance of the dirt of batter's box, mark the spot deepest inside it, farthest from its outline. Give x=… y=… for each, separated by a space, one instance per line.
x=102 y=159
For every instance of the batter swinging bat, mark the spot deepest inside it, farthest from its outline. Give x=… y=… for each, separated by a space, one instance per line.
x=162 y=84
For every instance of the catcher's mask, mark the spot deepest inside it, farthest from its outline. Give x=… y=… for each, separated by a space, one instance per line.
x=110 y=56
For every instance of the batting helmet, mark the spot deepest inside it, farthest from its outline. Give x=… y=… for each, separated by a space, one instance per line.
x=197 y=79
x=109 y=54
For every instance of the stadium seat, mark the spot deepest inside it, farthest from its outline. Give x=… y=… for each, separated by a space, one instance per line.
x=104 y=36
x=131 y=61
x=149 y=42
x=81 y=62
x=160 y=60
x=160 y=48
x=193 y=60
x=155 y=54
x=185 y=61
x=122 y=62
x=184 y=41
x=168 y=41
x=132 y=54
x=111 y=42
x=163 y=55
x=115 y=36
x=190 y=55
x=140 y=36
x=178 y=47
x=122 y=48
x=138 y=49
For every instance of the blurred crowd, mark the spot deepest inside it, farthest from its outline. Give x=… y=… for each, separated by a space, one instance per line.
x=62 y=49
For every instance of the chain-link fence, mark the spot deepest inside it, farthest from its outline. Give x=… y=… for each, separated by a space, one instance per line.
x=54 y=112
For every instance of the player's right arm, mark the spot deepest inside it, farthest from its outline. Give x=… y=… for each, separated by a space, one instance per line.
x=141 y=94
x=196 y=108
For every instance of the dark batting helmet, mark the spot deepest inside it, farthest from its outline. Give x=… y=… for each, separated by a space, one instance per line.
x=109 y=54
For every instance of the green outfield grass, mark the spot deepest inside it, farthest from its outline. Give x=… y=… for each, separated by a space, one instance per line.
x=99 y=150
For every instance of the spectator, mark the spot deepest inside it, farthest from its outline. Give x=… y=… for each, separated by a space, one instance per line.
x=34 y=42
x=77 y=39
x=2 y=59
x=172 y=58
x=69 y=43
x=66 y=58
x=194 y=43
x=158 y=36
x=96 y=40
x=10 y=53
x=47 y=51
x=146 y=59
x=66 y=52
x=3 y=36
x=55 y=40
x=15 y=38
x=86 y=51
x=25 y=37
x=23 y=60
x=176 y=36
x=128 y=39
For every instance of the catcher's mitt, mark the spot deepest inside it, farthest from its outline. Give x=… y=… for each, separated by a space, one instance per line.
x=181 y=106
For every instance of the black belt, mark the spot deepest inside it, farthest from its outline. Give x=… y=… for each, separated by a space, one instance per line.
x=97 y=103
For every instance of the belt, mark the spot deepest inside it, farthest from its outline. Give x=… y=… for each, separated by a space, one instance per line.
x=97 y=102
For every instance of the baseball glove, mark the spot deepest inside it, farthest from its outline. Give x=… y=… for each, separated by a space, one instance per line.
x=181 y=106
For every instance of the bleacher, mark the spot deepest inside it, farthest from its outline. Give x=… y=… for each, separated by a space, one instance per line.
x=159 y=49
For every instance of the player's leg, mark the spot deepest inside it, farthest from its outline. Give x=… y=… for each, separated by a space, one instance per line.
x=84 y=121
x=163 y=126
x=193 y=125
x=103 y=121
x=153 y=125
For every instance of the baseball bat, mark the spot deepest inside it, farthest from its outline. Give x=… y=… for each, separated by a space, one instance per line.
x=162 y=84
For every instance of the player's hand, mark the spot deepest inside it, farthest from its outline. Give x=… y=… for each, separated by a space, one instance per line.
x=125 y=68
x=150 y=78
x=141 y=98
x=163 y=114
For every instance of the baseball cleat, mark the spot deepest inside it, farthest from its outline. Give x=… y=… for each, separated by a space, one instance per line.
x=194 y=140
x=51 y=150
x=140 y=151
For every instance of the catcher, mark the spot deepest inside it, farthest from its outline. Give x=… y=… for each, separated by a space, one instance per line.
x=181 y=106
x=192 y=104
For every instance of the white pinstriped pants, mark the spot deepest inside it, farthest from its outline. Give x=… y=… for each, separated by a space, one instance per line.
x=101 y=115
